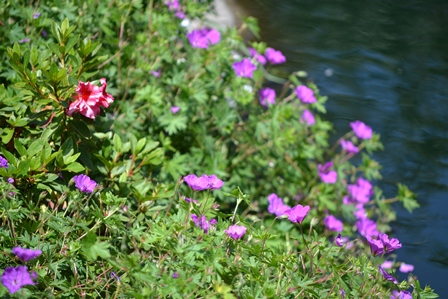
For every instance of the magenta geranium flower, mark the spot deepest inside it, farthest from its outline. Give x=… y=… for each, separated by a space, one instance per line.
x=16 y=278
x=308 y=117
x=361 y=130
x=3 y=162
x=305 y=94
x=203 y=38
x=274 y=56
x=244 y=68
x=400 y=295
x=367 y=227
x=236 y=231
x=326 y=175
x=382 y=244
x=260 y=58
x=297 y=213
x=174 y=109
x=360 y=192
x=204 y=182
x=89 y=99
x=333 y=224
x=276 y=205
x=406 y=268
x=26 y=254
x=267 y=97
x=387 y=276
x=387 y=264
x=84 y=183
x=349 y=147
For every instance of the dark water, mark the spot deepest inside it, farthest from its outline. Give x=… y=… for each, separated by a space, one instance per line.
x=385 y=63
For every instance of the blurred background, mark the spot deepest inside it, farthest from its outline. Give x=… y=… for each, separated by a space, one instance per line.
x=386 y=64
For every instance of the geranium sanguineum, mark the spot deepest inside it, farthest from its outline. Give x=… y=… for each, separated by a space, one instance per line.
x=16 y=278
x=26 y=254
x=305 y=94
x=204 y=182
x=89 y=99
x=297 y=213
x=267 y=97
x=84 y=183
x=274 y=56
x=361 y=130
x=236 y=231
x=244 y=68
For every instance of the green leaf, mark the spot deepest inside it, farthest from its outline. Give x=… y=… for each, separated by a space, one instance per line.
x=74 y=167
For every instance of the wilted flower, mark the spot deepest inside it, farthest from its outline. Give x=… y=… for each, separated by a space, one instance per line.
x=274 y=56
x=387 y=276
x=90 y=98
x=276 y=205
x=236 y=231
x=25 y=40
x=175 y=275
x=339 y=241
x=244 y=68
x=305 y=94
x=113 y=275
x=36 y=15
x=202 y=38
x=333 y=224
x=3 y=162
x=156 y=73
x=260 y=58
x=349 y=147
x=202 y=222
x=297 y=213
x=361 y=130
x=326 y=175
x=267 y=97
x=26 y=254
x=15 y=278
x=84 y=183
x=406 y=268
x=175 y=109
x=308 y=117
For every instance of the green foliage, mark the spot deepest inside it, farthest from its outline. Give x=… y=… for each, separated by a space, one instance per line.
x=137 y=222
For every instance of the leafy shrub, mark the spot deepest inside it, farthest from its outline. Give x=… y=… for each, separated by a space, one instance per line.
x=93 y=173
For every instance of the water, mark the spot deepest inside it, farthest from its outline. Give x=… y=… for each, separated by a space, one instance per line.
x=385 y=63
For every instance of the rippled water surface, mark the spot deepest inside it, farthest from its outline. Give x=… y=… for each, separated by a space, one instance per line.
x=385 y=63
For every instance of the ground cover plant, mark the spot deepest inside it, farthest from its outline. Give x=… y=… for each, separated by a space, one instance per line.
x=145 y=153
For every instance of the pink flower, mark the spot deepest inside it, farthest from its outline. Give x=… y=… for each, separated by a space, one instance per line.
x=276 y=205
x=349 y=147
x=89 y=99
x=387 y=264
x=204 y=182
x=297 y=213
x=406 y=268
x=260 y=58
x=367 y=227
x=236 y=231
x=333 y=224
x=340 y=241
x=361 y=191
x=84 y=183
x=308 y=117
x=267 y=97
x=26 y=254
x=382 y=244
x=400 y=295
x=305 y=94
x=203 y=38
x=361 y=130
x=244 y=68
x=274 y=56
x=326 y=175
x=174 y=109
x=15 y=278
